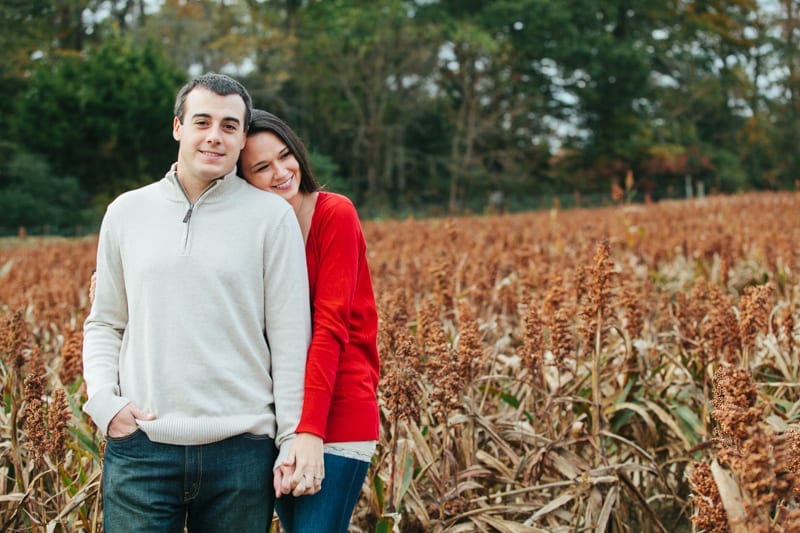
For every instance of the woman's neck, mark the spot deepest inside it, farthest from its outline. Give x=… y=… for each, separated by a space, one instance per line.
x=304 y=210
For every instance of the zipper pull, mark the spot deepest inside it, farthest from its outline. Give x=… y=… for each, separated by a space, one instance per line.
x=188 y=215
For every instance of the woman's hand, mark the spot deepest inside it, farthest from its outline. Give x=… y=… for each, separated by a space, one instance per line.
x=303 y=471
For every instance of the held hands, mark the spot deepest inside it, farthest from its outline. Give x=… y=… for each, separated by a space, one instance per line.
x=124 y=422
x=301 y=474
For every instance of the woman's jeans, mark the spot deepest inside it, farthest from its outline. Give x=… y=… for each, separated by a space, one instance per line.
x=329 y=510
x=222 y=486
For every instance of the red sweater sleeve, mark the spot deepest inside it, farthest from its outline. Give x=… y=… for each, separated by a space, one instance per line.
x=335 y=244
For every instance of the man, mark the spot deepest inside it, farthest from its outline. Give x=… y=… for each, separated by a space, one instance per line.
x=195 y=347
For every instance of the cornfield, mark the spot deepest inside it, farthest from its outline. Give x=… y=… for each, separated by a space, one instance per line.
x=630 y=368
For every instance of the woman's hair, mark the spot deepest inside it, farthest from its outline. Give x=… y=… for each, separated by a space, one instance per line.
x=263 y=121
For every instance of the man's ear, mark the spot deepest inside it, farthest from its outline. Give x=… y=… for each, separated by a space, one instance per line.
x=176 y=128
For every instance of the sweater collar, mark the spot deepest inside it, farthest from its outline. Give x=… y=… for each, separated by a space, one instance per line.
x=175 y=192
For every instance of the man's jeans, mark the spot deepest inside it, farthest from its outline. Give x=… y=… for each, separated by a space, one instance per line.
x=330 y=509
x=218 y=487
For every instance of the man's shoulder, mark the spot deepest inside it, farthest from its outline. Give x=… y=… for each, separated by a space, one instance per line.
x=256 y=197
x=134 y=196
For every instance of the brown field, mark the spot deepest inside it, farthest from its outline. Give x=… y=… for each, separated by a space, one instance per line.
x=632 y=368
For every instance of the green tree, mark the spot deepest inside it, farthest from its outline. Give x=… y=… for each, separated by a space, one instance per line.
x=24 y=31
x=409 y=103
x=103 y=116
x=360 y=75
x=32 y=194
x=703 y=96
x=785 y=108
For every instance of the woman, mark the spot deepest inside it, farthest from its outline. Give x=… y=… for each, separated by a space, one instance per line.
x=340 y=406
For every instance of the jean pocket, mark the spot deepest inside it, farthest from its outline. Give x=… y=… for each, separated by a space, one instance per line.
x=125 y=438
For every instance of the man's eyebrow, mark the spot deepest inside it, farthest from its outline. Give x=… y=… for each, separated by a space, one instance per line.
x=206 y=115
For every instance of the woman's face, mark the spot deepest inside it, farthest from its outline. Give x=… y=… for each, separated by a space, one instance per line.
x=270 y=165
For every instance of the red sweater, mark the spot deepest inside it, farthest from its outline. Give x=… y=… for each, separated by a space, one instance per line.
x=342 y=371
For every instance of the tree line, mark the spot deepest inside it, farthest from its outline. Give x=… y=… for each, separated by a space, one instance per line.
x=409 y=105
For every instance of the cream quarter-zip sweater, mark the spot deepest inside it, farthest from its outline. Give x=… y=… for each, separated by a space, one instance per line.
x=201 y=314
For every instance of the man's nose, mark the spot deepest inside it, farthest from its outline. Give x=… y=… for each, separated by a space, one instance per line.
x=214 y=135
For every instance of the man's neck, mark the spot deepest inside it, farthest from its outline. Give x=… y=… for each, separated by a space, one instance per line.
x=194 y=188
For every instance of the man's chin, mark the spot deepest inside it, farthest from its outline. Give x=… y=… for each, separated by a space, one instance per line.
x=215 y=172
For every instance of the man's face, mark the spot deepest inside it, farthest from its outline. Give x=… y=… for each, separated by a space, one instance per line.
x=210 y=138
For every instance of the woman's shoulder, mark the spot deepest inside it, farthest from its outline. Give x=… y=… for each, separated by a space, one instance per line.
x=335 y=203
x=334 y=198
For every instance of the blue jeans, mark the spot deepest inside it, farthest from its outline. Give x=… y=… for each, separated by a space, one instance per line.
x=329 y=510
x=154 y=487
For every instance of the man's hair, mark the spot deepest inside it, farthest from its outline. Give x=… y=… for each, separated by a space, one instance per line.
x=219 y=84
x=264 y=121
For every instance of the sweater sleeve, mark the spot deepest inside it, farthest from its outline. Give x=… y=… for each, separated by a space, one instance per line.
x=339 y=242
x=103 y=330
x=288 y=325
